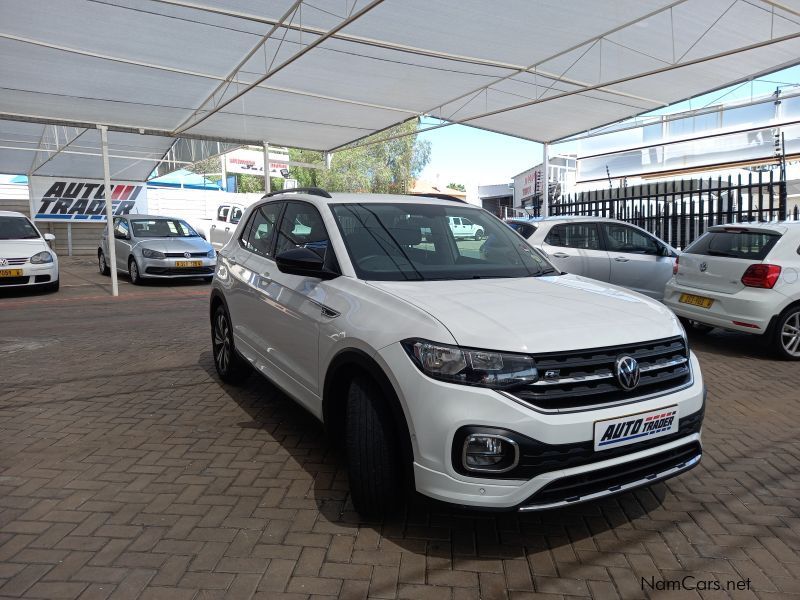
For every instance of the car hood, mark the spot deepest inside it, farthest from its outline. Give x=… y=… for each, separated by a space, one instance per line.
x=191 y=244
x=538 y=314
x=21 y=248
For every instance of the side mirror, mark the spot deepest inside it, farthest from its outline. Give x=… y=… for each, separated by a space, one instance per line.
x=49 y=237
x=122 y=236
x=303 y=262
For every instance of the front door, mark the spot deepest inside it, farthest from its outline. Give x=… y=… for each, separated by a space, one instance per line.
x=638 y=261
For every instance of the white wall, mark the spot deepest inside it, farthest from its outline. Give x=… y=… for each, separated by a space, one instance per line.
x=186 y=204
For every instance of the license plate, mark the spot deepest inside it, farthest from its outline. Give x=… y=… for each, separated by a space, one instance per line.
x=700 y=301
x=11 y=273
x=639 y=427
x=189 y=263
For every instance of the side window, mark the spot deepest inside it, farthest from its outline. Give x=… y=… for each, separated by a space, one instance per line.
x=121 y=228
x=259 y=234
x=236 y=214
x=621 y=238
x=584 y=236
x=466 y=222
x=222 y=212
x=302 y=227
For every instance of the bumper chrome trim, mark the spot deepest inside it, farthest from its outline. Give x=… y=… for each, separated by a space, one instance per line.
x=617 y=489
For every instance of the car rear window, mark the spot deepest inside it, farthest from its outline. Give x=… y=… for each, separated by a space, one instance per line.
x=752 y=245
x=524 y=229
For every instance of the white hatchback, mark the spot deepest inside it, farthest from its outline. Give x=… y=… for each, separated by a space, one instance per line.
x=25 y=257
x=743 y=277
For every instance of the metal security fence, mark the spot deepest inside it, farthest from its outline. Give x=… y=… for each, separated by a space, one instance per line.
x=680 y=211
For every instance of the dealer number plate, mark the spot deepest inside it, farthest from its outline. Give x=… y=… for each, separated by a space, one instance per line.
x=700 y=301
x=189 y=263
x=639 y=427
x=11 y=273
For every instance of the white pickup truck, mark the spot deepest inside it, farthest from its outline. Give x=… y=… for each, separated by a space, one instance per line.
x=218 y=231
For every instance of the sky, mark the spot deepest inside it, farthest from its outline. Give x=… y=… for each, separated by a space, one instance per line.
x=461 y=154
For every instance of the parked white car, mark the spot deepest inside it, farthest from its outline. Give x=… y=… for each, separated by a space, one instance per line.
x=743 y=277
x=491 y=382
x=25 y=256
x=603 y=249
x=219 y=230
x=462 y=227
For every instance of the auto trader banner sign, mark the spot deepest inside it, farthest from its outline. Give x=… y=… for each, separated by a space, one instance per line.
x=62 y=199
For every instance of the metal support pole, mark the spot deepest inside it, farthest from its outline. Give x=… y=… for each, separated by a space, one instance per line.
x=545 y=211
x=266 y=168
x=31 y=203
x=69 y=239
x=112 y=251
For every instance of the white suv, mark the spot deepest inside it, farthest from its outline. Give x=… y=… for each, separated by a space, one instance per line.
x=462 y=227
x=743 y=277
x=490 y=382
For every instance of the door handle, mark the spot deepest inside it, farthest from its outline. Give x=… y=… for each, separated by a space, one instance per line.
x=621 y=259
x=213 y=227
x=227 y=229
x=560 y=255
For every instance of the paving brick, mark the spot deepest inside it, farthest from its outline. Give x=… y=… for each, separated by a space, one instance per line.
x=154 y=480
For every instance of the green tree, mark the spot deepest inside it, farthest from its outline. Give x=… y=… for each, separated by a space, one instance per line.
x=457 y=186
x=386 y=166
x=210 y=168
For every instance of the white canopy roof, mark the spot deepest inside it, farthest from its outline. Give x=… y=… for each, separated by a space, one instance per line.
x=320 y=74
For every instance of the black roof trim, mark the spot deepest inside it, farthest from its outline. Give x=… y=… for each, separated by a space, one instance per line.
x=314 y=191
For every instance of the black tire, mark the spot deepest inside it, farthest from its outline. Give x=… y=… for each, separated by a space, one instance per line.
x=133 y=271
x=231 y=367
x=373 y=455
x=785 y=339
x=479 y=235
x=696 y=327
x=102 y=265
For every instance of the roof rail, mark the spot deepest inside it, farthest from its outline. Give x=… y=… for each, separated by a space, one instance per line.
x=440 y=196
x=314 y=191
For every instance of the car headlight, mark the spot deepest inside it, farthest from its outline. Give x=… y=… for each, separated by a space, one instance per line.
x=212 y=254
x=147 y=253
x=481 y=368
x=41 y=258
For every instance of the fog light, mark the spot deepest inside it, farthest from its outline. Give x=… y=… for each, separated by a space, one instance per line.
x=486 y=452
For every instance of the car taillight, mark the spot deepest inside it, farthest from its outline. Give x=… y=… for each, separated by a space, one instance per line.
x=675 y=265
x=761 y=276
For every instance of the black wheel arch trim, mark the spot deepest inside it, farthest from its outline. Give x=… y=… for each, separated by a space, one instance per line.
x=333 y=420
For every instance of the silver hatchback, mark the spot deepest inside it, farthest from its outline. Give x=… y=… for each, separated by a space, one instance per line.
x=157 y=247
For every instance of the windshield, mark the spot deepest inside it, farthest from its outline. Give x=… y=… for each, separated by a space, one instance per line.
x=400 y=242
x=161 y=228
x=17 y=228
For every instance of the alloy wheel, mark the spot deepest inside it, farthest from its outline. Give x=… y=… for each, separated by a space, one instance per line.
x=102 y=260
x=222 y=344
x=790 y=334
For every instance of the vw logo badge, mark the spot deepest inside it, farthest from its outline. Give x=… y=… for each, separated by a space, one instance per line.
x=703 y=267
x=187 y=254
x=627 y=371
x=3 y=262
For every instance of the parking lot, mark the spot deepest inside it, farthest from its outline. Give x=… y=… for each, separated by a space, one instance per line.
x=127 y=469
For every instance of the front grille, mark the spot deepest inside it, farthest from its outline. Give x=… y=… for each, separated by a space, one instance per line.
x=585 y=378
x=183 y=255
x=16 y=261
x=180 y=270
x=13 y=280
x=611 y=479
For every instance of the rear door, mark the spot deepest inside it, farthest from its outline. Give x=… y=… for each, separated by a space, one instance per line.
x=638 y=260
x=577 y=248
x=717 y=260
x=122 y=242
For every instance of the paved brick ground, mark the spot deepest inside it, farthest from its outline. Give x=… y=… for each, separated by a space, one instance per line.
x=127 y=470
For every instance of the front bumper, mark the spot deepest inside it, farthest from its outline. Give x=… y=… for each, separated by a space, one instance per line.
x=31 y=275
x=436 y=410
x=753 y=306
x=167 y=268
